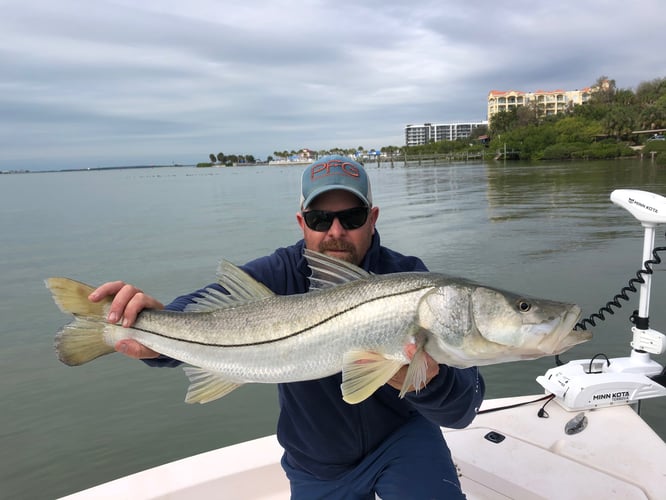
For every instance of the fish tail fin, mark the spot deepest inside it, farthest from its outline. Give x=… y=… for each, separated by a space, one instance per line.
x=72 y=297
x=364 y=372
x=83 y=339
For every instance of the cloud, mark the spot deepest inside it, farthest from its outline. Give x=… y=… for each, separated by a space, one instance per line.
x=118 y=82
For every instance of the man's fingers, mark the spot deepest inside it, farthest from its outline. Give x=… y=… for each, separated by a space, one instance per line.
x=105 y=290
x=128 y=301
x=134 y=349
x=120 y=307
x=410 y=350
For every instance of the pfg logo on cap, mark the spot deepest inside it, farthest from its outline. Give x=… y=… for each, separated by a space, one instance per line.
x=334 y=172
x=333 y=167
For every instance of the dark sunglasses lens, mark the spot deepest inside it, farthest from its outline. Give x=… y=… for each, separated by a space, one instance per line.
x=321 y=220
x=353 y=218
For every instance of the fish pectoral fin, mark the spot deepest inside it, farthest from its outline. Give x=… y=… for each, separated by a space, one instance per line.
x=206 y=386
x=364 y=372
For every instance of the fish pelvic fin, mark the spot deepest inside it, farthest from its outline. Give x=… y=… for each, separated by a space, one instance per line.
x=364 y=372
x=83 y=339
x=415 y=379
x=206 y=386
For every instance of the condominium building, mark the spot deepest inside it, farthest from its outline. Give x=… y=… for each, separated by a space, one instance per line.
x=548 y=102
x=416 y=135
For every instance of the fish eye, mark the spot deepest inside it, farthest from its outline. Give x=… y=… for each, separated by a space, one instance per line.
x=523 y=305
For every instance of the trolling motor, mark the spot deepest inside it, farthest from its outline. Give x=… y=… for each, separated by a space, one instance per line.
x=599 y=382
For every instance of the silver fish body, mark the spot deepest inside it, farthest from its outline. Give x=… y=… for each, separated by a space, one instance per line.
x=350 y=321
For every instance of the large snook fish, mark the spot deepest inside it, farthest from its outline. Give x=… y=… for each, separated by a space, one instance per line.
x=350 y=321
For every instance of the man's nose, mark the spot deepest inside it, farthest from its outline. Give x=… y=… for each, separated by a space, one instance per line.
x=336 y=228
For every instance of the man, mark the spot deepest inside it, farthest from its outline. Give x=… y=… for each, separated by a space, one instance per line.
x=385 y=444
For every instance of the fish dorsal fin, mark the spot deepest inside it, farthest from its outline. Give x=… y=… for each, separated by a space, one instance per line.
x=242 y=289
x=329 y=271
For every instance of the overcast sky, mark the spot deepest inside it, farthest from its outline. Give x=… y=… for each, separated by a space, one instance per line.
x=87 y=83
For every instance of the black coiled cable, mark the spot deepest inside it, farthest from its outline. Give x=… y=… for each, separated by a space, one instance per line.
x=615 y=301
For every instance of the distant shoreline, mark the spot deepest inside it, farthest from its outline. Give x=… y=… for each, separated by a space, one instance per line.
x=7 y=172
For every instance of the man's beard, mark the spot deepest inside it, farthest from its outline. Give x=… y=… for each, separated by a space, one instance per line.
x=340 y=246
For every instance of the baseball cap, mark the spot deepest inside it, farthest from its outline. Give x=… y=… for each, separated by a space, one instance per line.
x=335 y=172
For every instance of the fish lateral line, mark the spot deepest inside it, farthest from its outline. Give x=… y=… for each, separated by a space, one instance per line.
x=291 y=335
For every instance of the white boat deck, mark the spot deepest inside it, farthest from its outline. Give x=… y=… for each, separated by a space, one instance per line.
x=616 y=456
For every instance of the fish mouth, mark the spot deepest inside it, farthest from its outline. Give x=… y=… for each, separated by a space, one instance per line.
x=564 y=335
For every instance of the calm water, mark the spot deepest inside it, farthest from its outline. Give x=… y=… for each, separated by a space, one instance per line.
x=545 y=230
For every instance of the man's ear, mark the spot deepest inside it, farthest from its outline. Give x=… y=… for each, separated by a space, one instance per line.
x=374 y=215
x=300 y=220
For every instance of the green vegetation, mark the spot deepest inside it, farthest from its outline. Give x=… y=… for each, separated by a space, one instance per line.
x=601 y=128
x=227 y=160
x=659 y=149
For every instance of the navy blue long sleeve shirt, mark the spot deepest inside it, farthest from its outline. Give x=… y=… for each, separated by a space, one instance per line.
x=321 y=433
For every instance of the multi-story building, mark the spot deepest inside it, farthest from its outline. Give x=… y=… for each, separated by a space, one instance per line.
x=548 y=102
x=416 y=135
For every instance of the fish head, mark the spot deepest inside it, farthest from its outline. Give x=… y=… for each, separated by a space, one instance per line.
x=479 y=325
x=535 y=326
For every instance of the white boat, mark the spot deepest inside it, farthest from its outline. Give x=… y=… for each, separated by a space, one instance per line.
x=617 y=455
x=584 y=439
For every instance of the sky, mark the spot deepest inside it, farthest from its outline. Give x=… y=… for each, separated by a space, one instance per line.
x=90 y=83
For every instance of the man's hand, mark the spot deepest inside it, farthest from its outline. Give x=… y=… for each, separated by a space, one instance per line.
x=399 y=378
x=127 y=303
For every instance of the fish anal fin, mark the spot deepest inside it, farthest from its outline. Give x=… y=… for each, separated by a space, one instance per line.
x=206 y=386
x=364 y=372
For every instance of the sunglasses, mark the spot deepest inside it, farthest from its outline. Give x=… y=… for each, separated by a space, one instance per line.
x=321 y=220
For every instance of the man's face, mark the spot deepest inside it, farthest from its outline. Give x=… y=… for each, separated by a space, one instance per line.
x=346 y=244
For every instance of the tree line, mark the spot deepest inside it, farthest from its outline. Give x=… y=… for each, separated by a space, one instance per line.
x=229 y=160
x=603 y=127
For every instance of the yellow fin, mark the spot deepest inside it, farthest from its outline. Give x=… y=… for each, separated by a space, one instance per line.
x=82 y=340
x=206 y=386
x=364 y=372
x=72 y=297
